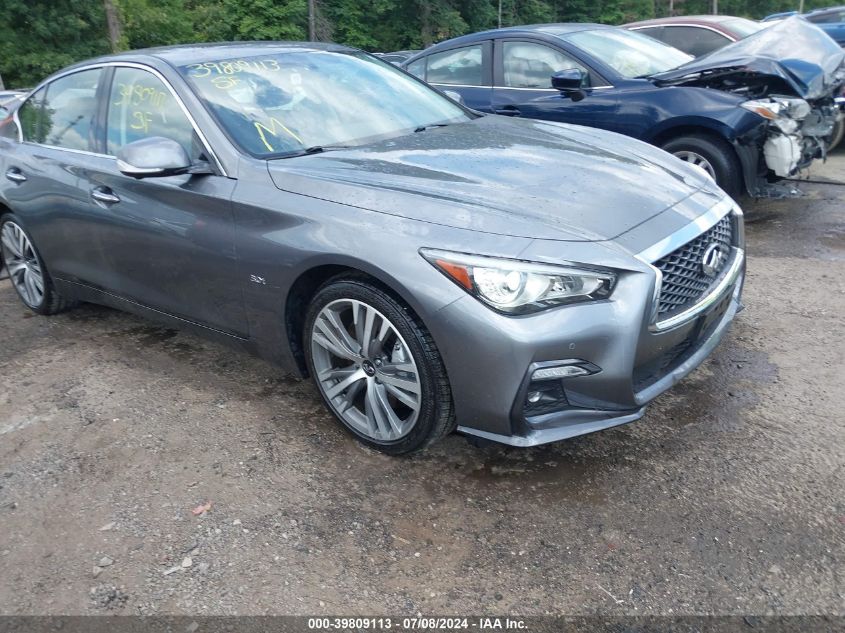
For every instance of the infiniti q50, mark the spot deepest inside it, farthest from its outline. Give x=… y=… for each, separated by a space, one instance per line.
x=430 y=268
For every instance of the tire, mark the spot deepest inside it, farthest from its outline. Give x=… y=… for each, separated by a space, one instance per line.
x=836 y=135
x=725 y=167
x=404 y=362
x=34 y=277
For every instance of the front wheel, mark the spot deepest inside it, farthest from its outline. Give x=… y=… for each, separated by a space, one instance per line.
x=26 y=269
x=376 y=367
x=712 y=155
x=836 y=135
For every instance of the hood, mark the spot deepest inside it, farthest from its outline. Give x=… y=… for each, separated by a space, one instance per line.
x=523 y=178
x=792 y=57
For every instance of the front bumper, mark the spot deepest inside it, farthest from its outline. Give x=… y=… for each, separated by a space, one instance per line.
x=490 y=367
x=768 y=159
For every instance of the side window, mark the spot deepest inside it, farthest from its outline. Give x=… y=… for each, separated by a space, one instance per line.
x=829 y=17
x=417 y=69
x=69 y=109
x=530 y=65
x=31 y=114
x=694 y=40
x=141 y=106
x=460 y=66
x=652 y=31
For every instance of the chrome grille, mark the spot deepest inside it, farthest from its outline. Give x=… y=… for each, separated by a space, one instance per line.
x=684 y=280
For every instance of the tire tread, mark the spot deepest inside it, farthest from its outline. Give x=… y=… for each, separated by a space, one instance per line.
x=445 y=422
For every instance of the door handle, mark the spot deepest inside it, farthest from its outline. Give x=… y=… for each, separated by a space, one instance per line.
x=508 y=110
x=14 y=174
x=105 y=196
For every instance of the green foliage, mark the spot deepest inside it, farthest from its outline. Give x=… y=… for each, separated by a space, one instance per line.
x=38 y=37
x=151 y=22
x=260 y=20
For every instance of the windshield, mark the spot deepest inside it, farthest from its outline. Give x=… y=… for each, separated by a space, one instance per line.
x=284 y=103
x=742 y=27
x=628 y=53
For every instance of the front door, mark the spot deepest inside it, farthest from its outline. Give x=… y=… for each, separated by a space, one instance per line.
x=168 y=243
x=523 y=86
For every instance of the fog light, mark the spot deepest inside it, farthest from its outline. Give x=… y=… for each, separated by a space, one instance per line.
x=544 y=397
x=562 y=371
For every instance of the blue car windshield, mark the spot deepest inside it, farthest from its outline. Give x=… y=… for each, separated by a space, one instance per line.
x=281 y=104
x=628 y=53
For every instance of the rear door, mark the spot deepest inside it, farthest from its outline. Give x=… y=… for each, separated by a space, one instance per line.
x=167 y=243
x=522 y=72
x=41 y=174
x=466 y=70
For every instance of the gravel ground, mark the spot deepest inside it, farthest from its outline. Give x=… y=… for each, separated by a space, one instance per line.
x=726 y=498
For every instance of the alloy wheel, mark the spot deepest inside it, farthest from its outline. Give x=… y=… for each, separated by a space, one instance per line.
x=365 y=370
x=697 y=160
x=22 y=264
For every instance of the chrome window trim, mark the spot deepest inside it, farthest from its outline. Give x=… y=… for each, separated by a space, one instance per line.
x=585 y=89
x=455 y=85
x=730 y=38
x=510 y=88
x=701 y=224
x=138 y=66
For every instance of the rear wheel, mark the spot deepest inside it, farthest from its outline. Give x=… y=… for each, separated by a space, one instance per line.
x=713 y=156
x=26 y=270
x=377 y=367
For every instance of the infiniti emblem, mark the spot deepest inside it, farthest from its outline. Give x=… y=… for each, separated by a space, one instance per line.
x=712 y=260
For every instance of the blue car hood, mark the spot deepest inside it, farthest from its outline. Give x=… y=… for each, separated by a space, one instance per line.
x=794 y=55
x=518 y=177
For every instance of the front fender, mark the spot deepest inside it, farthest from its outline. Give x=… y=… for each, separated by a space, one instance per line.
x=650 y=113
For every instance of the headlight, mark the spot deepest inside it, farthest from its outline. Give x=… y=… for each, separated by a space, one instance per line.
x=518 y=287
x=784 y=113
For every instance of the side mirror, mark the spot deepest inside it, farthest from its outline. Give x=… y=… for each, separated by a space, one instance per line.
x=569 y=82
x=454 y=96
x=153 y=157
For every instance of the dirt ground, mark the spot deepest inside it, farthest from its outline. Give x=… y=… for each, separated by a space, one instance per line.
x=728 y=497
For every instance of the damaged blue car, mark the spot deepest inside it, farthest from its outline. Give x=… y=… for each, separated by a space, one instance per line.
x=750 y=114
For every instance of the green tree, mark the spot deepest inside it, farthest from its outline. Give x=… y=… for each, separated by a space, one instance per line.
x=41 y=36
x=38 y=37
x=235 y=20
x=157 y=22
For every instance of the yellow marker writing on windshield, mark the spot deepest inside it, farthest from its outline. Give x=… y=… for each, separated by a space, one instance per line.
x=273 y=129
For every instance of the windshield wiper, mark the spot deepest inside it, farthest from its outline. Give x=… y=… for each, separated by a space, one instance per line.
x=316 y=149
x=423 y=128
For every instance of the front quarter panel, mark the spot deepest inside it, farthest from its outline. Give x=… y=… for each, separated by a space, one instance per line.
x=648 y=112
x=283 y=235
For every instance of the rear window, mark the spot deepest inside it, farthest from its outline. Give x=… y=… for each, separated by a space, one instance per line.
x=69 y=110
x=742 y=27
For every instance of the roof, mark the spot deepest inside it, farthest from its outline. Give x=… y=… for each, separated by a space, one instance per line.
x=688 y=19
x=527 y=29
x=198 y=53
